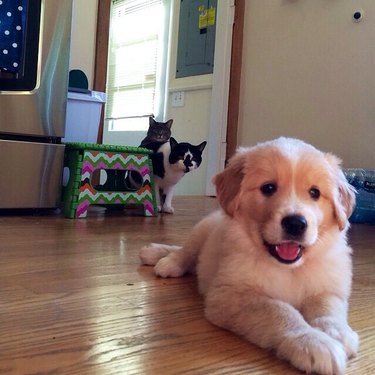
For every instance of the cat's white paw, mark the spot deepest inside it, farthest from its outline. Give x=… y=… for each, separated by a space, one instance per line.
x=168 y=209
x=314 y=352
x=160 y=209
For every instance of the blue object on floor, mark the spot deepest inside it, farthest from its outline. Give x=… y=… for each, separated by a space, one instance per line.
x=364 y=181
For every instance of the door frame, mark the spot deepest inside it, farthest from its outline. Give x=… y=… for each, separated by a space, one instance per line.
x=235 y=78
x=225 y=88
x=101 y=54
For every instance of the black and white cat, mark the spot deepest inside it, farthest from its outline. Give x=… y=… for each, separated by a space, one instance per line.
x=170 y=163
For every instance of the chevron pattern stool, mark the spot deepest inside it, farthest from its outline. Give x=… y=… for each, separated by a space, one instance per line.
x=85 y=162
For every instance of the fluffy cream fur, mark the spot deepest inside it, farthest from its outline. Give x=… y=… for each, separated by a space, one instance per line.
x=298 y=309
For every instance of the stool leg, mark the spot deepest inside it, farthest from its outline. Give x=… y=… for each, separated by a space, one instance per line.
x=149 y=208
x=149 y=204
x=81 y=209
x=85 y=188
x=73 y=161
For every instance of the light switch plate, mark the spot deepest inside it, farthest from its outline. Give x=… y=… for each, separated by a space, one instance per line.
x=178 y=99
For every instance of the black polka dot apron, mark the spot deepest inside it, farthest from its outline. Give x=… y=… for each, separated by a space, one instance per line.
x=12 y=24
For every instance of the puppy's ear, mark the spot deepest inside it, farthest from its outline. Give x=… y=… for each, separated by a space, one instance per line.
x=228 y=182
x=344 y=194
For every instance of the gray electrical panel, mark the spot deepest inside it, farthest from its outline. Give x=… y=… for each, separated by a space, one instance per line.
x=196 y=37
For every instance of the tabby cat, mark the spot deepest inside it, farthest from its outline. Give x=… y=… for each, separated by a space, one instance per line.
x=170 y=163
x=158 y=132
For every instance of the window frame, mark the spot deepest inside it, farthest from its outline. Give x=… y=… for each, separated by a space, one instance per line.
x=101 y=59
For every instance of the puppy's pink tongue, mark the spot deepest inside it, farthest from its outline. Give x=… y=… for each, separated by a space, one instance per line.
x=288 y=250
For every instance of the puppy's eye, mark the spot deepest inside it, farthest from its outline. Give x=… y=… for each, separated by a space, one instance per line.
x=268 y=189
x=314 y=193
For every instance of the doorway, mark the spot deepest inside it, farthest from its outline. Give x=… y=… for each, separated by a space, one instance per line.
x=225 y=81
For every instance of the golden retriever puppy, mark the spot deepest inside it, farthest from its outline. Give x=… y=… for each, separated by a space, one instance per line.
x=274 y=265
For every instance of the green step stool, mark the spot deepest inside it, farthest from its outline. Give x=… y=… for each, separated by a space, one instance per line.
x=120 y=163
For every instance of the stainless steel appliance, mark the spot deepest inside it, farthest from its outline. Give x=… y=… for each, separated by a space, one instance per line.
x=33 y=105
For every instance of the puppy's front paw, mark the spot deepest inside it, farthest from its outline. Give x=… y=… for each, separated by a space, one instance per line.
x=168 y=267
x=340 y=331
x=150 y=254
x=314 y=351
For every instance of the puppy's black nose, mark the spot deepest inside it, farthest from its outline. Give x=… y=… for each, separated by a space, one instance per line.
x=294 y=225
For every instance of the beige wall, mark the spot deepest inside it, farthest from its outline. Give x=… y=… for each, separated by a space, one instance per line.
x=82 y=51
x=308 y=72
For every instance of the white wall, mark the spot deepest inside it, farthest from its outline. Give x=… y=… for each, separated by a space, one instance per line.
x=190 y=122
x=308 y=72
x=82 y=50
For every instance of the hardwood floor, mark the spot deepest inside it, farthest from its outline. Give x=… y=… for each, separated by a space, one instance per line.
x=74 y=300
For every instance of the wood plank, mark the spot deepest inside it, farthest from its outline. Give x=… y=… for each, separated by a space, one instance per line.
x=101 y=54
x=75 y=300
x=235 y=78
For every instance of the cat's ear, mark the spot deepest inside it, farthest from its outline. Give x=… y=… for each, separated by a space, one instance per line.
x=228 y=183
x=169 y=123
x=202 y=146
x=151 y=121
x=173 y=142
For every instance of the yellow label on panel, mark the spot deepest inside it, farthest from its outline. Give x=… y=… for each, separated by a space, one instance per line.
x=202 y=19
x=211 y=12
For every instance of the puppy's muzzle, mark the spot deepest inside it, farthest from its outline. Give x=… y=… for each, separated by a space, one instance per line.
x=294 y=226
x=290 y=250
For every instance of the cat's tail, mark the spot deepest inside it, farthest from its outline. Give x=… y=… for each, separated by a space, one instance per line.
x=152 y=253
